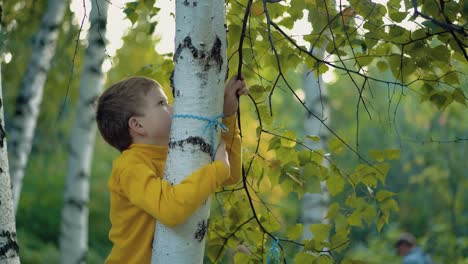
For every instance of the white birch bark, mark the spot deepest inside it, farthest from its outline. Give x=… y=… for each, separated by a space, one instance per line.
x=9 y=252
x=29 y=99
x=74 y=223
x=315 y=205
x=199 y=76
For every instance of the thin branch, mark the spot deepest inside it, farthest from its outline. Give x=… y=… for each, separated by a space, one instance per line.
x=62 y=108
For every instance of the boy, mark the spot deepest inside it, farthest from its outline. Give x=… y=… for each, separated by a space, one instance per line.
x=134 y=117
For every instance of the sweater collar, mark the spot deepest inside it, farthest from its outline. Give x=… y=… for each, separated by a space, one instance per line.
x=153 y=151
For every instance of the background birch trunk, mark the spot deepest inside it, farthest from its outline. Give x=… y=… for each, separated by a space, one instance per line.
x=9 y=251
x=199 y=77
x=29 y=99
x=74 y=222
x=315 y=205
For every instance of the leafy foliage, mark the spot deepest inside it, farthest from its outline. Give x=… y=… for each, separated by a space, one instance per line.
x=401 y=71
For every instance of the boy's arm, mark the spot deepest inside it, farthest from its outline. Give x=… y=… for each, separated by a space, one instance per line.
x=233 y=147
x=171 y=205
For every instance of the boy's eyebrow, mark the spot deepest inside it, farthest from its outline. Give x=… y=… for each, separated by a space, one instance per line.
x=163 y=98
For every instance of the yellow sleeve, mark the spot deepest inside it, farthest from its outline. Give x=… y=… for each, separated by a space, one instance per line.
x=171 y=204
x=233 y=147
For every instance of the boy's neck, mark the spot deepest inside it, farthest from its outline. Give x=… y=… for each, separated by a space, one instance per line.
x=151 y=141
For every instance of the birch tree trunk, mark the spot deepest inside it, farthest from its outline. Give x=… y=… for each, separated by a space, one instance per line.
x=9 y=250
x=29 y=99
x=74 y=224
x=315 y=205
x=199 y=76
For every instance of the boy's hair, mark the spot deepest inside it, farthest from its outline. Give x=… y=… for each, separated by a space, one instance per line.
x=117 y=105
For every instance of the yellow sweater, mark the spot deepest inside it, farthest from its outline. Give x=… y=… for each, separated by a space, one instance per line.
x=139 y=196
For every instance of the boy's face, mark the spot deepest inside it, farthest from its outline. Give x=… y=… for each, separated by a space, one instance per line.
x=157 y=117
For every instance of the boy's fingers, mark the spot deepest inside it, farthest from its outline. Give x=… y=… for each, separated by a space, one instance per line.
x=243 y=91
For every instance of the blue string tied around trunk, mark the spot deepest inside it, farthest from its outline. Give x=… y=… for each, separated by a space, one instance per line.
x=274 y=253
x=212 y=125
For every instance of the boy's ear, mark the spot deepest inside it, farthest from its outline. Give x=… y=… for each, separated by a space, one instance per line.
x=135 y=126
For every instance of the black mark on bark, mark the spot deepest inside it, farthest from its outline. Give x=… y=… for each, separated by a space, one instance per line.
x=83 y=258
x=171 y=79
x=196 y=141
x=53 y=27
x=209 y=59
x=215 y=55
x=10 y=248
x=77 y=203
x=2 y=135
x=202 y=229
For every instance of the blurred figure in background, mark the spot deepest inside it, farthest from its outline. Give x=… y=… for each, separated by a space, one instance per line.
x=412 y=254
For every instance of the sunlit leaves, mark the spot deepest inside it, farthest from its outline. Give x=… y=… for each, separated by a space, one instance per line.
x=459 y=96
x=387 y=154
x=323 y=259
x=320 y=231
x=241 y=258
x=303 y=257
x=295 y=232
x=383 y=195
x=288 y=139
x=335 y=183
x=130 y=11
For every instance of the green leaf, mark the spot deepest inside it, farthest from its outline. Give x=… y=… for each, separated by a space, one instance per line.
x=398 y=16
x=382 y=66
x=275 y=143
x=304 y=157
x=313 y=138
x=363 y=60
x=431 y=25
x=441 y=100
x=311 y=176
x=335 y=184
x=369 y=213
x=295 y=232
x=369 y=179
x=320 y=231
x=381 y=171
x=323 y=68
x=383 y=219
x=317 y=156
x=256 y=91
x=241 y=258
x=213 y=250
x=377 y=155
x=355 y=219
x=459 y=96
x=291 y=141
x=389 y=205
x=451 y=78
x=152 y=27
x=353 y=261
x=333 y=210
x=264 y=112
x=392 y=154
x=335 y=145
x=303 y=257
x=339 y=238
x=323 y=259
x=149 y=4
x=383 y=195
x=270 y=223
x=131 y=15
x=441 y=53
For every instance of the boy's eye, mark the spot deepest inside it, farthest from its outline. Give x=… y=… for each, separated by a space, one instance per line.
x=162 y=103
